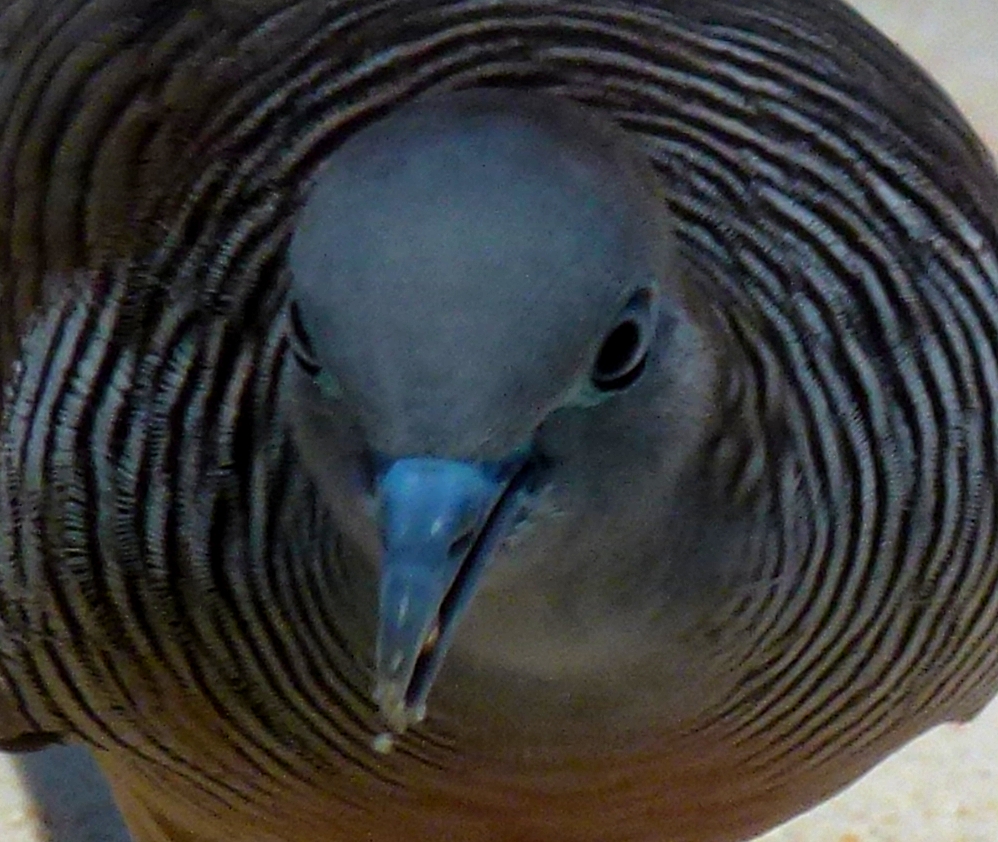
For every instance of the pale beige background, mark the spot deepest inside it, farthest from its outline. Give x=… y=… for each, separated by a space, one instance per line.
x=942 y=788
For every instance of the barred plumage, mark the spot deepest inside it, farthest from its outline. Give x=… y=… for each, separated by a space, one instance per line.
x=174 y=588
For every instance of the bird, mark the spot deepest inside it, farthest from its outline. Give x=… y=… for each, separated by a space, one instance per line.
x=508 y=420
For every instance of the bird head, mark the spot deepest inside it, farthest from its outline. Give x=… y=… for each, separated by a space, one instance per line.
x=501 y=370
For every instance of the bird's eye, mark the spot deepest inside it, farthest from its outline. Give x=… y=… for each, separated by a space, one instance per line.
x=624 y=351
x=300 y=345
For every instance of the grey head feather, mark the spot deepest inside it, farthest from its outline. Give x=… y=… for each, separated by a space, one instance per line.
x=488 y=240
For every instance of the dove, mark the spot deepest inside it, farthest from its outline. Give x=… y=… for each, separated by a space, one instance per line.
x=488 y=420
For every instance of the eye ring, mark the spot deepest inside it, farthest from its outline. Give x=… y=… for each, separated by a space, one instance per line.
x=623 y=355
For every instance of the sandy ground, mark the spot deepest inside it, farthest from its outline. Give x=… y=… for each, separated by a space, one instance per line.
x=941 y=788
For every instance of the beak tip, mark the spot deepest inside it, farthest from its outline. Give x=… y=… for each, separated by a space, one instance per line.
x=396 y=712
x=409 y=602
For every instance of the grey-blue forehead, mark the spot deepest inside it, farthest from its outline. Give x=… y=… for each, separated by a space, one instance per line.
x=489 y=185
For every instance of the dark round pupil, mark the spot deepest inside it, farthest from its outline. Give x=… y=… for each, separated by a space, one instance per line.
x=618 y=357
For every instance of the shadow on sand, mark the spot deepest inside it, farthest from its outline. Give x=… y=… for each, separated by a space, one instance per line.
x=71 y=795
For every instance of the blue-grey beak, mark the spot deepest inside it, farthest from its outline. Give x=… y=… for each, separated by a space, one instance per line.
x=439 y=520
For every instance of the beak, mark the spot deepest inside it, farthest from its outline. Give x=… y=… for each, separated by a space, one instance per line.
x=439 y=521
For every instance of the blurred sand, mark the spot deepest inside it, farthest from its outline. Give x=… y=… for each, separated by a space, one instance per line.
x=957 y=42
x=941 y=788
